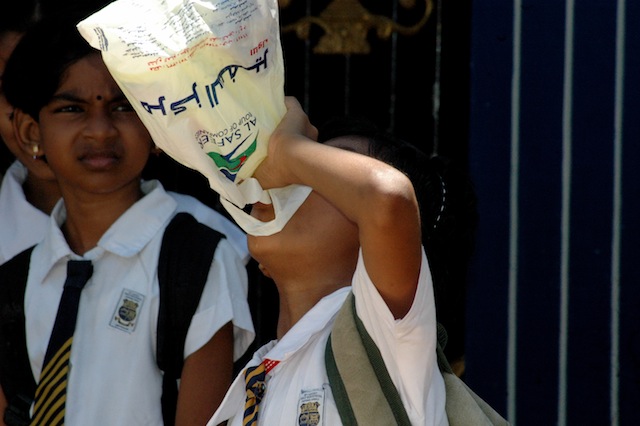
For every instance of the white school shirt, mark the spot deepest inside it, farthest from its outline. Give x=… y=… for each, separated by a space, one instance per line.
x=114 y=379
x=299 y=380
x=21 y=224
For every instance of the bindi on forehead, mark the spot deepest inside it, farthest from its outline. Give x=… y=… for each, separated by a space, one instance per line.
x=99 y=97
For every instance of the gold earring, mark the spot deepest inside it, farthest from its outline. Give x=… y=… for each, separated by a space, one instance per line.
x=35 y=148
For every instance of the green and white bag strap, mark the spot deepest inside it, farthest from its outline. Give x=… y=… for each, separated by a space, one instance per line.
x=362 y=388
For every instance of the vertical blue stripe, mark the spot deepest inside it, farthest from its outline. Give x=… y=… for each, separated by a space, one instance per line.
x=539 y=200
x=513 y=213
x=489 y=161
x=629 y=310
x=565 y=212
x=616 y=221
x=588 y=346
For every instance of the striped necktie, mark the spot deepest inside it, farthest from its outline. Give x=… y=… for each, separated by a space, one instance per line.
x=51 y=391
x=254 y=378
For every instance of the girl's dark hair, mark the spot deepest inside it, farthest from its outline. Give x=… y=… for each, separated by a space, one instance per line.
x=18 y=16
x=448 y=213
x=36 y=67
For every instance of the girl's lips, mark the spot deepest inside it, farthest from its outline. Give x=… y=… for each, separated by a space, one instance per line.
x=100 y=160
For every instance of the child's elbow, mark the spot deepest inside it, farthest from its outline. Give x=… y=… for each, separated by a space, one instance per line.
x=395 y=200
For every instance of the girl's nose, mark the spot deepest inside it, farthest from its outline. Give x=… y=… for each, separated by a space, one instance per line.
x=100 y=125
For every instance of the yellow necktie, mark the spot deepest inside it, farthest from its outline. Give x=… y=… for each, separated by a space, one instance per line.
x=51 y=391
x=254 y=379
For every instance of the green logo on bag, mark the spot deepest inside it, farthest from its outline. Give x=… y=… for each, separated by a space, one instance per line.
x=230 y=167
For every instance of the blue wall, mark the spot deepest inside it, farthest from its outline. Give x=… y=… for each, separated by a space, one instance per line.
x=554 y=150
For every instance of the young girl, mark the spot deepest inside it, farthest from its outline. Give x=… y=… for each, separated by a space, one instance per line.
x=29 y=190
x=68 y=105
x=358 y=231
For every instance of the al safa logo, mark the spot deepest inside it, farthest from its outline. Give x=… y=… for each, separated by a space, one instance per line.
x=229 y=165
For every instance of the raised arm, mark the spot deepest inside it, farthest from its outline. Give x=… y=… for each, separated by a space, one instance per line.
x=378 y=198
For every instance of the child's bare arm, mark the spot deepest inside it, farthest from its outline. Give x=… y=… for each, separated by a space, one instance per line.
x=206 y=376
x=378 y=198
x=3 y=406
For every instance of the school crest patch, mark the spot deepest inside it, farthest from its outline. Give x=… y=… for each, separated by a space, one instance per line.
x=127 y=310
x=310 y=407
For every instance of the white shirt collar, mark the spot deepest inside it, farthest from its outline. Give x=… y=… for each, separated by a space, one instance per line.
x=313 y=322
x=309 y=325
x=125 y=237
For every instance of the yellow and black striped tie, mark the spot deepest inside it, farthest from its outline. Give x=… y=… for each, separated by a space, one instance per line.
x=51 y=395
x=254 y=379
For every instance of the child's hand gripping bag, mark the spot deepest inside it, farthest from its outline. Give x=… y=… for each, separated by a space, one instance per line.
x=206 y=78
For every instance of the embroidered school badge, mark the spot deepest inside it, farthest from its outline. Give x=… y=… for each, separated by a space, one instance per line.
x=127 y=309
x=311 y=404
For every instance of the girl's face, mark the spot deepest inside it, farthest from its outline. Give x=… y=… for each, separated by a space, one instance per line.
x=91 y=136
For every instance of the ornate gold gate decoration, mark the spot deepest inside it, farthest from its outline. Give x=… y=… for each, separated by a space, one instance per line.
x=346 y=24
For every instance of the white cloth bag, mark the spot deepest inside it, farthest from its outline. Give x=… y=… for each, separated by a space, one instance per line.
x=206 y=78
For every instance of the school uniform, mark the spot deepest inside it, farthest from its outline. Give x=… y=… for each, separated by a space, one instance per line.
x=297 y=384
x=21 y=224
x=114 y=378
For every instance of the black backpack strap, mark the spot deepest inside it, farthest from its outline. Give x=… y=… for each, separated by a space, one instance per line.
x=16 y=377
x=183 y=267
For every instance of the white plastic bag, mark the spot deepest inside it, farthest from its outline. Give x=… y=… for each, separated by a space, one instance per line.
x=206 y=78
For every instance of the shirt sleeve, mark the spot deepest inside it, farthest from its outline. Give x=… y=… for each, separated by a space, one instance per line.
x=224 y=299
x=407 y=345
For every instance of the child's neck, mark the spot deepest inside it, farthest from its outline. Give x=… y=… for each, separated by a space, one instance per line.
x=296 y=301
x=89 y=218
x=40 y=193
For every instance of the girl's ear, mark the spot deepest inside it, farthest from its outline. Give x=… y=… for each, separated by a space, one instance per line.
x=27 y=131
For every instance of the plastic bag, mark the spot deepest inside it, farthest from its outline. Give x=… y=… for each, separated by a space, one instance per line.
x=207 y=79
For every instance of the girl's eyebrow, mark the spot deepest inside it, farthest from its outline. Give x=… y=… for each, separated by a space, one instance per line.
x=65 y=96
